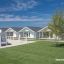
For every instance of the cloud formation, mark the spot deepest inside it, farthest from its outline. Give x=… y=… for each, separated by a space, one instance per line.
x=6 y=17
x=17 y=5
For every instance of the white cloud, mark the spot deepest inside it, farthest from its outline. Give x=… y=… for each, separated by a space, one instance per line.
x=8 y=17
x=25 y=5
x=19 y=5
x=20 y=19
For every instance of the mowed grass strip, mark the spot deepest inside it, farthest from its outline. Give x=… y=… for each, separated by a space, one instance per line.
x=40 y=52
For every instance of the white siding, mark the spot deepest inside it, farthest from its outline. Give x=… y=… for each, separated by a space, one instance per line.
x=14 y=34
x=32 y=33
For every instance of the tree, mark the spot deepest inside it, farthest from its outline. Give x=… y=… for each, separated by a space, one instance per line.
x=57 y=24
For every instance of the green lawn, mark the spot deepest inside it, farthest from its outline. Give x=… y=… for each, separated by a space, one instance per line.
x=41 y=52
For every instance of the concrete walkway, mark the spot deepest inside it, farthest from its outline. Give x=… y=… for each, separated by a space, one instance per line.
x=16 y=44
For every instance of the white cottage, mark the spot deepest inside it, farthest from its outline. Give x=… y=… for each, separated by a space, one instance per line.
x=46 y=33
x=29 y=32
x=11 y=33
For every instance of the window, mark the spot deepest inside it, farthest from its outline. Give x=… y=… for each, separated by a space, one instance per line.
x=9 y=33
x=26 y=34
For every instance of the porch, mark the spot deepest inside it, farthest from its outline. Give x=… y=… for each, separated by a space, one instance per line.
x=46 y=35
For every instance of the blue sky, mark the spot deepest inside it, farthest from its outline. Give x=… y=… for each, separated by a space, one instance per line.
x=28 y=12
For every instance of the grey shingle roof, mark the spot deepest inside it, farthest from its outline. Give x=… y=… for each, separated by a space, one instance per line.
x=35 y=28
x=3 y=29
x=16 y=28
x=19 y=28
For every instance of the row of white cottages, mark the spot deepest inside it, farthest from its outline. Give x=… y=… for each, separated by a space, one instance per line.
x=18 y=33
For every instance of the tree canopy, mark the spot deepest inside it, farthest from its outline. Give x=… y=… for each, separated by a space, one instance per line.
x=57 y=24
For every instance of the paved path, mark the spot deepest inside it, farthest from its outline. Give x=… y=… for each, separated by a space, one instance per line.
x=16 y=44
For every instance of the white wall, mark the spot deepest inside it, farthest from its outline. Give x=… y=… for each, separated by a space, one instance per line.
x=15 y=34
x=32 y=34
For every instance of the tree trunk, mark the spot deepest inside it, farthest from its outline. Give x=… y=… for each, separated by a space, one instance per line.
x=56 y=40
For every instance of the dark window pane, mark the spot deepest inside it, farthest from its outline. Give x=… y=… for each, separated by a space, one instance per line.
x=9 y=33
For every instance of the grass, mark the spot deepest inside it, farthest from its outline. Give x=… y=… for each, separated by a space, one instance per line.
x=40 y=52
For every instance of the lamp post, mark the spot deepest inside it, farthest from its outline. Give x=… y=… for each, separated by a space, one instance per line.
x=26 y=35
x=0 y=37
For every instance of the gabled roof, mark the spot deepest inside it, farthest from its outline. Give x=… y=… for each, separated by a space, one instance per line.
x=19 y=28
x=35 y=28
x=3 y=29
x=16 y=28
x=43 y=28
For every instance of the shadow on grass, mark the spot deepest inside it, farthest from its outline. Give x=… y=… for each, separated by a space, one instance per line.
x=58 y=45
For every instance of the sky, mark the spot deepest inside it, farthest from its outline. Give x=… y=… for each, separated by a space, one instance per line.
x=28 y=12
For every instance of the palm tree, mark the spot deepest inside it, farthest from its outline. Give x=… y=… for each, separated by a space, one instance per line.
x=57 y=24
